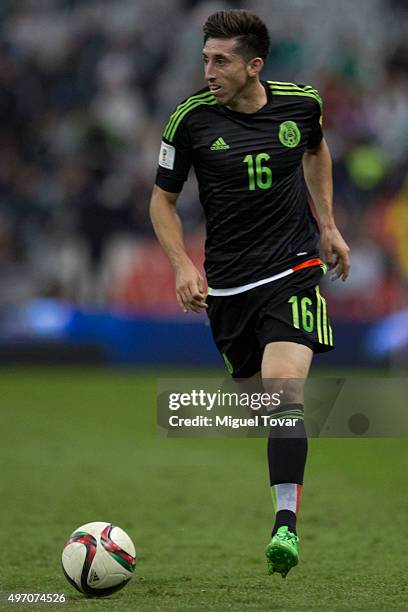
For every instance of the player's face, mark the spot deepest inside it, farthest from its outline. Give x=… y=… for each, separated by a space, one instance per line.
x=225 y=70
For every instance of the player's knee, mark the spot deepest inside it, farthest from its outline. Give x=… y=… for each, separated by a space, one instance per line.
x=289 y=390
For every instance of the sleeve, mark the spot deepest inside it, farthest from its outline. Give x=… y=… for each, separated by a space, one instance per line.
x=316 y=134
x=175 y=159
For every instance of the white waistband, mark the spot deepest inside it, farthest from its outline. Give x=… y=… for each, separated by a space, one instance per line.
x=242 y=288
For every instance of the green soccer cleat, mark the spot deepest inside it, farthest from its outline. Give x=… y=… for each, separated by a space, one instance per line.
x=281 y=552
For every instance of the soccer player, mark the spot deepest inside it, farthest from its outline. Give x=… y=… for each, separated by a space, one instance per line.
x=257 y=148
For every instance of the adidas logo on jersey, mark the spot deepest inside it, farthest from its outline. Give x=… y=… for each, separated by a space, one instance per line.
x=219 y=145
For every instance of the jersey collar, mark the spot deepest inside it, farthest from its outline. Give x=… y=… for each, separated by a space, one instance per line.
x=259 y=111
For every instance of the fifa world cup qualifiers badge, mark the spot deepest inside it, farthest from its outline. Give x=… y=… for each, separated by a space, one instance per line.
x=166 y=156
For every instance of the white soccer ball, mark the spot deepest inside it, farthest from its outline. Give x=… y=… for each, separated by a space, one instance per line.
x=98 y=559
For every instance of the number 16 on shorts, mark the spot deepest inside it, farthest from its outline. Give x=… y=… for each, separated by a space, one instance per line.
x=309 y=313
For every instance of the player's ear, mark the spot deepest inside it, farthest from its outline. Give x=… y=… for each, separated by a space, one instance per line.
x=255 y=66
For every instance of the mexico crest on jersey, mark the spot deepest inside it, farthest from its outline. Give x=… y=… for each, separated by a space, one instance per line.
x=289 y=134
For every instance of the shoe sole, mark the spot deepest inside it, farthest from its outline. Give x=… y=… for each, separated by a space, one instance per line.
x=280 y=559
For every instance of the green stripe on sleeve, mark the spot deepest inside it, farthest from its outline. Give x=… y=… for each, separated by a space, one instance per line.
x=298 y=93
x=186 y=103
x=184 y=113
x=284 y=84
x=290 y=89
x=182 y=109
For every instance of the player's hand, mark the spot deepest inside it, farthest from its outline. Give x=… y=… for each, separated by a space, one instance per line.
x=335 y=252
x=190 y=288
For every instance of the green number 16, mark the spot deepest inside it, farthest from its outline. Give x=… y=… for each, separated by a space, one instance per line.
x=260 y=175
x=306 y=314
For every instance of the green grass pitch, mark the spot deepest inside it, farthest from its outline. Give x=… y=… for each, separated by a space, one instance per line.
x=79 y=446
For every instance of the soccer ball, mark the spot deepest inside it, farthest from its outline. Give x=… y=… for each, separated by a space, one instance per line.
x=98 y=559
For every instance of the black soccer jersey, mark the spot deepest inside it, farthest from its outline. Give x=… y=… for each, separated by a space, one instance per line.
x=250 y=178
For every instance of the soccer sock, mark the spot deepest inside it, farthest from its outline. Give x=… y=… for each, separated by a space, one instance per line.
x=286 y=499
x=287 y=452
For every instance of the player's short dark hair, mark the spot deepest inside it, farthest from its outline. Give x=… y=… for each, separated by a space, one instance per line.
x=248 y=28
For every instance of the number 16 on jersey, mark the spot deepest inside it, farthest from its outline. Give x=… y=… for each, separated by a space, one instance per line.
x=259 y=174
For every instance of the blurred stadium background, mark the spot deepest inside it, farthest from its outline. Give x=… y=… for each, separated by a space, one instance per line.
x=86 y=88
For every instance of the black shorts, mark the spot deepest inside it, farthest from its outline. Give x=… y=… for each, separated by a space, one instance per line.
x=290 y=309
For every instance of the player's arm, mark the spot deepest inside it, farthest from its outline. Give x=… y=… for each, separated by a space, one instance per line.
x=169 y=231
x=317 y=169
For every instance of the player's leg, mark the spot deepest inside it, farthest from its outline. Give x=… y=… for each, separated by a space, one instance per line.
x=285 y=366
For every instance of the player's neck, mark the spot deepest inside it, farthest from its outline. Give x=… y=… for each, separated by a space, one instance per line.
x=250 y=100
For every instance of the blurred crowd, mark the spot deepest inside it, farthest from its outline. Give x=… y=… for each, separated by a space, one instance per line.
x=86 y=88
